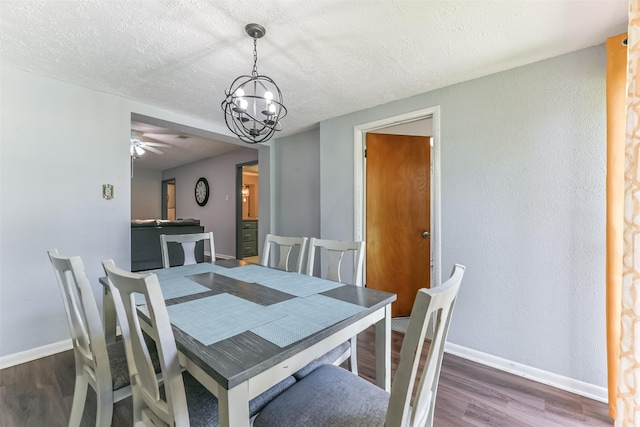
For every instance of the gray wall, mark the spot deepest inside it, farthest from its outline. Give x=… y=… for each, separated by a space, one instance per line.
x=296 y=177
x=59 y=144
x=523 y=207
x=219 y=214
x=264 y=207
x=146 y=194
x=295 y=172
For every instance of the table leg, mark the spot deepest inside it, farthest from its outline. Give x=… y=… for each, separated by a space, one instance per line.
x=234 y=406
x=383 y=350
x=108 y=317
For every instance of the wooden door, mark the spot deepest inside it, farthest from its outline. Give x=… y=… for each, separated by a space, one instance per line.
x=398 y=216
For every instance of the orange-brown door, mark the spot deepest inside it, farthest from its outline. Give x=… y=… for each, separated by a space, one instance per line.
x=398 y=216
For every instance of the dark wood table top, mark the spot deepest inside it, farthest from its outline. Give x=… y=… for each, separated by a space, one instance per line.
x=236 y=359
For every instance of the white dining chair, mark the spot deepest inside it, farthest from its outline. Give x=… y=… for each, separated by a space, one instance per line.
x=332 y=396
x=102 y=366
x=183 y=401
x=285 y=245
x=336 y=249
x=188 y=243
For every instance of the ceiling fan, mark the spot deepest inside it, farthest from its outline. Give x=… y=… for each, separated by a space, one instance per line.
x=139 y=146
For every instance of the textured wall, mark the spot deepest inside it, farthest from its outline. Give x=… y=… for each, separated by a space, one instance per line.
x=146 y=194
x=296 y=180
x=219 y=214
x=59 y=144
x=296 y=174
x=264 y=209
x=523 y=207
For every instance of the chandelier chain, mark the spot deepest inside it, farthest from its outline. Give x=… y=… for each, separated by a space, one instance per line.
x=255 y=57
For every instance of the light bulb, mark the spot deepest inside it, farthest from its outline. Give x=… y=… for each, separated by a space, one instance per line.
x=239 y=92
x=268 y=96
x=242 y=103
x=272 y=109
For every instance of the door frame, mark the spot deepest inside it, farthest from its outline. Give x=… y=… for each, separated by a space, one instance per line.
x=238 y=194
x=359 y=193
x=164 y=214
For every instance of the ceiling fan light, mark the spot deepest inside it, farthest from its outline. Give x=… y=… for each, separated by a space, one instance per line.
x=139 y=150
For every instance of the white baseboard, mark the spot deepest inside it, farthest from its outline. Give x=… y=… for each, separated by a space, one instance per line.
x=35 y=353
x=558 y=381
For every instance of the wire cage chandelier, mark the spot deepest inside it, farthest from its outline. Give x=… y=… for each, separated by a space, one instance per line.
x=253 y=104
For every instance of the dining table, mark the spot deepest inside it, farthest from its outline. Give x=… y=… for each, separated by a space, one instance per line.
x=241 y=328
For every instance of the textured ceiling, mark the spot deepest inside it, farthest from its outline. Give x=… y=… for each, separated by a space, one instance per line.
x=328 y=57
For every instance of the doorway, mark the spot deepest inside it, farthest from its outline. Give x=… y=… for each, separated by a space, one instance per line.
x=247 y=196
x=431 y=262
x=169 y=199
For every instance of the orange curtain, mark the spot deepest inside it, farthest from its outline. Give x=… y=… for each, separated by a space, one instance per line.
x=616 y=122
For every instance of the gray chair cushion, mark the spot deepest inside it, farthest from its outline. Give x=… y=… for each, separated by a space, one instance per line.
x=325 y=359
x=203 y=406
x=118 y=362
x=329 y=396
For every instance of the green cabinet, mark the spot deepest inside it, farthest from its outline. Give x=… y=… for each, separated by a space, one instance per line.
x=249 y=237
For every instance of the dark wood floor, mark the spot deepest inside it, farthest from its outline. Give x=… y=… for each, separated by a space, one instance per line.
x=39 y=393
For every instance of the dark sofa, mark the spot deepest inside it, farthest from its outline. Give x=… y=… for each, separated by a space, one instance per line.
x=145 y=242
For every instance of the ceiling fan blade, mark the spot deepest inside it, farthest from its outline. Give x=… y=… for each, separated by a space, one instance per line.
x=153 y=150
x=156 y=144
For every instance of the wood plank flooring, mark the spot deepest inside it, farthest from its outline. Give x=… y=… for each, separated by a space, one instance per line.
x=39 y=394
x=470 y=394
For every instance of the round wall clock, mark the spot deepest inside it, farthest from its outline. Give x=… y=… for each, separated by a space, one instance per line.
x=202 y=192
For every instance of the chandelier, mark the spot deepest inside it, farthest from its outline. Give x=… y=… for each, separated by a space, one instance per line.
x=253 y=104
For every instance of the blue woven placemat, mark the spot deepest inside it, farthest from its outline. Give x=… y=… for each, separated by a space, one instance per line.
x=174 y=288
x=299 y=285
x=215 y=318
x=303 y=317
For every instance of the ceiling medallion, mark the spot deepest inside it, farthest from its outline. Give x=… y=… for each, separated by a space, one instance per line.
x=253 y=104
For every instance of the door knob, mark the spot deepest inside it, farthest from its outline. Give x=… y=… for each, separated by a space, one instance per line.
x=426 y=234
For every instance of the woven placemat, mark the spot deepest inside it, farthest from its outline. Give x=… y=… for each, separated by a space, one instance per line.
x=215 y=318
x=303 y=317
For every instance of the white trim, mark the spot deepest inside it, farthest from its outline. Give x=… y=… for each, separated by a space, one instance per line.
x=223 y=256
x=35 y=353
x=545 y=377
x=359 y=179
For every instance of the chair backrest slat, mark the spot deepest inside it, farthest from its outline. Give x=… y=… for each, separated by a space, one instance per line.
x=436 y=303
x=188 y=243
x=285 y=245
x=336 y=250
